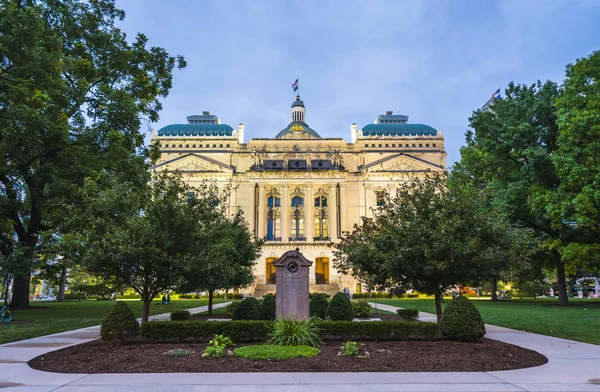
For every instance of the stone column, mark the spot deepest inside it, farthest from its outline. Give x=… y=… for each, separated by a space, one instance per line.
x=262 y=211
x=343 y=207
x=251 y=212
x=332 y=207
x=285 y=213
x=308 y=214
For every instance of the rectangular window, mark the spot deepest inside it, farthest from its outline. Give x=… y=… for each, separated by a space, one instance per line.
x=379 y=197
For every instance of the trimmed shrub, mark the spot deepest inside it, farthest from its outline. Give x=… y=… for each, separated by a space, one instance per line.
x=180 y=315
x=119 y=324
x=339 y=308
x=247 y=310
x=232 y=307
x=361 y=308
x=408 y=314
x=318 y=306
x=268 y=307
x=324 y=295
x=461 y=321
x=256 y=331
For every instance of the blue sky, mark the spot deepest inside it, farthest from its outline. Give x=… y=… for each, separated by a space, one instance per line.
x=435 y=61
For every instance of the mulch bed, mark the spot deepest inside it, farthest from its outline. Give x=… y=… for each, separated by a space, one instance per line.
x=414 y=356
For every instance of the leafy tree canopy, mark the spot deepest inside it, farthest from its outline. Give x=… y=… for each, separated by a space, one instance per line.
x=74 y=91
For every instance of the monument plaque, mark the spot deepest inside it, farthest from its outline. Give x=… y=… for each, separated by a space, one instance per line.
x=292 y=285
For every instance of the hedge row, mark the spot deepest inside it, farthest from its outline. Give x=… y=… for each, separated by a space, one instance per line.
x=249 y=331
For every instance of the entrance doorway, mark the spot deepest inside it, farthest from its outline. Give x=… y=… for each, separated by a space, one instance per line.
x=271 y=271
x=322 y=270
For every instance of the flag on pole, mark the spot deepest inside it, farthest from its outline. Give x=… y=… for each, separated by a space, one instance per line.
x=295 y=85
x=496 y=94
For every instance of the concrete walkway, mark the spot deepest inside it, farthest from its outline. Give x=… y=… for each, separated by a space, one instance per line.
x=572 y=366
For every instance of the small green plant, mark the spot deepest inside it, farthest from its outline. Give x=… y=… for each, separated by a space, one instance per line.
x=361 y=308
x=271 y=352
x=268 y=307
x=217 y=345
x=180 y=315
x=119 y=324
x=461 y=321
x=340 y=308
x=349 y=349
x=248 y=309
x=408 y=314
x=352 y=349
x=179 y=352
x=291 y=332
x=318 y=305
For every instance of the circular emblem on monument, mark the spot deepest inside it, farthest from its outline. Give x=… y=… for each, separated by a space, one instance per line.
x=292 y=267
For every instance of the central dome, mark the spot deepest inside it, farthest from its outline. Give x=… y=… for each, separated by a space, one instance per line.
x=297 y=130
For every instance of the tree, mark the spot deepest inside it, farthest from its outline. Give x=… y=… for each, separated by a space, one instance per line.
x=146 y=246
x=358 y=255
x=431 y=236
x=509 y=152
x=577 y=160
x=73 y=94
x=227 y=263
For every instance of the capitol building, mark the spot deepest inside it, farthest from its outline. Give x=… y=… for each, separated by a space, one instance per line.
x=297 y=189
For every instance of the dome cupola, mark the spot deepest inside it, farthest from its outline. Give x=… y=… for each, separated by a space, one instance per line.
x=298 y=111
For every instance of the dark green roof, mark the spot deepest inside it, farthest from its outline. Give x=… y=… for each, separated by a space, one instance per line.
x=196 y=130
x=305 y=127
x=398 y=130
x=298 y=103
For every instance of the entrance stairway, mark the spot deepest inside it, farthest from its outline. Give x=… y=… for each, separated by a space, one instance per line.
x=262 y=289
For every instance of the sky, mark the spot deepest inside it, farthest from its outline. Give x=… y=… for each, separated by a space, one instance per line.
x=435 y=61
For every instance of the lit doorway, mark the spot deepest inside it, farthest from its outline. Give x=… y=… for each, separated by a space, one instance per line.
x=271 y=271
x=322 y=270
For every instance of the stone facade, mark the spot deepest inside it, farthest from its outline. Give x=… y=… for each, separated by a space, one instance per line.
x=299 y=190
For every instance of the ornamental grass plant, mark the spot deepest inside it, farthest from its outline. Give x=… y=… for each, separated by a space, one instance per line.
x=291 y=332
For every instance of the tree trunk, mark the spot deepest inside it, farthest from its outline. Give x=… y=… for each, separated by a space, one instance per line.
x=145 y=308
x=210 y=302
x=63 y=282
x=561 y=282
x=494 y=289
x=226 y=293
x=438 y=306
x=20 y=298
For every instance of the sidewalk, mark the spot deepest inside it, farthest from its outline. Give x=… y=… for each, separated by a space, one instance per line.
x=571 y=366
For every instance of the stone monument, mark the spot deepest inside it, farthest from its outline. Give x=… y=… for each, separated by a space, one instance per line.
x=292 y=285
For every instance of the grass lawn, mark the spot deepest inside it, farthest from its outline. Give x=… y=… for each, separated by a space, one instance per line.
x=52 y=317
x=580 y=321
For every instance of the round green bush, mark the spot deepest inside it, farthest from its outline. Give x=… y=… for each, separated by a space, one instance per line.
x=119 y=324
x=361 y=308
x=340 y=308
x=181 y=315
x=247 y=310
x=318 y=306
x=461 y=321
x=268 y=307
x=272 y=352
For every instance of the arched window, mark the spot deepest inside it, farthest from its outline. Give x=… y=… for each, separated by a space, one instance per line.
x=321 y=224
x=297 y=221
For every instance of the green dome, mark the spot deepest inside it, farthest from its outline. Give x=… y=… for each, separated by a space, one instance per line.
x=196 y=130
x=398 y=130
x=298 y=103
x=304 y=126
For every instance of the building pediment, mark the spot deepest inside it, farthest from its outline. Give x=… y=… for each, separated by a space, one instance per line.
x=194 y=163
x=400 y=163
